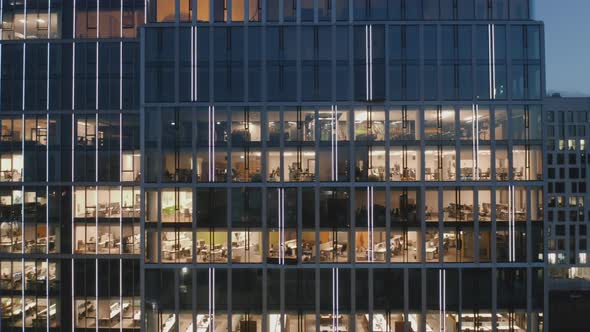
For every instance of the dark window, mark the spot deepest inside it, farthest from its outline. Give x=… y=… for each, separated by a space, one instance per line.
x=159 y=65
x=289 y=10
x=465 y=9
x=413 y=10
x=519 y=9
x=431 y=9
x=272 y=11
x=342 y=10
x=572 y=158
x=559 y=187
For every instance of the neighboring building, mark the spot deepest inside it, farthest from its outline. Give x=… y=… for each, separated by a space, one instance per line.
x=567 y=123
x=70 y=164
x=241 y=165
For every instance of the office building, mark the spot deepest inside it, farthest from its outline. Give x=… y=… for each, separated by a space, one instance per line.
x=566 y=122
x=297 y=165
x=70 y=164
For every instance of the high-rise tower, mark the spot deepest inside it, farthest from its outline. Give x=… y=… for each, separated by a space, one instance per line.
x=260 y=165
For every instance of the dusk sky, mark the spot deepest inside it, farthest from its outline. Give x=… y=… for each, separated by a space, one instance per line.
x=567 y=38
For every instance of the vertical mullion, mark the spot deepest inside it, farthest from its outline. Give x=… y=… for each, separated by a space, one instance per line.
x=24 y=72
x=47 y=96
x=73 y=77
x=95 y=291
x=176 y=297
x=494 y=61
x=23 y=299
x=491 y=55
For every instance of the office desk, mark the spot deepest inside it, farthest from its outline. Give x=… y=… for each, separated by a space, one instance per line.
x=430 y=252
x=30 y=306
x=85 y=308
x=329 y=328
x=203 y=323
x=327 y=324
x=379 y=323
x=169 y=324
x=213 y=255
x=469 y=326
x=114 y=311
x=137 y=317
x=41 y=318
x=174 y=254
x=380 y=254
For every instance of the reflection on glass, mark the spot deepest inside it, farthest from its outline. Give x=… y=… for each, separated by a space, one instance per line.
x=369 y=124
x=527 y=163
x=334 y=170
x=501 y=124
x=274 y=128
x=245 y=127
x=37 y=19
x=404 y=124
x=330 y=119
x=474 y=123
x=370 y=215
x=439 y=124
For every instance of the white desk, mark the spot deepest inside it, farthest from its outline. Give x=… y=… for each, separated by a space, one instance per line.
x=274 y=323
x=52 y=312
x=169 y=323
x=430 y=252
x=137 y=317
x=379 y=323
x=469 y=326
x=203 y=323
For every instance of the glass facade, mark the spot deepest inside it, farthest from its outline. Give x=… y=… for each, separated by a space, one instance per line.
x=567 y=219
x=70 y=195
x=284 y=165
x=565 y=122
